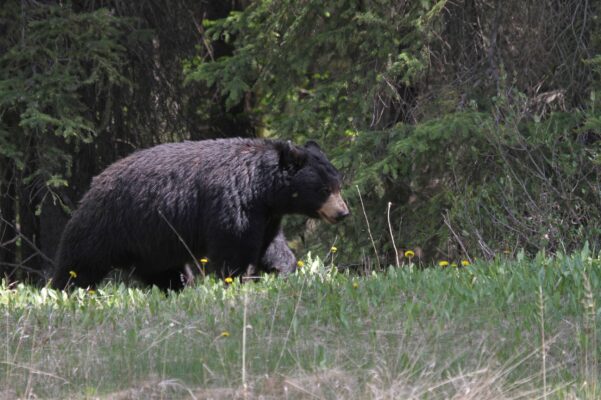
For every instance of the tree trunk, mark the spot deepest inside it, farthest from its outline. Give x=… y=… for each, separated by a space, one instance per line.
x=7 y=220
x=30 y=260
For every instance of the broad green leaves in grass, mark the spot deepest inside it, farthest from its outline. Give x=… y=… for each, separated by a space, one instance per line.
x=422 y=326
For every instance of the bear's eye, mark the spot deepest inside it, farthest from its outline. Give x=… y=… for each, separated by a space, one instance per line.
x=324 y=191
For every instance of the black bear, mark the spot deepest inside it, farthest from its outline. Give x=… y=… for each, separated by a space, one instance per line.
x=157 y=209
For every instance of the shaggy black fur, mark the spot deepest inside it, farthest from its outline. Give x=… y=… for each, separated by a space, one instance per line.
x=223 y=198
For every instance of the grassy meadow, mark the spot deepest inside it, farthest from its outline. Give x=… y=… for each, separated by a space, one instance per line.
x=508 y=329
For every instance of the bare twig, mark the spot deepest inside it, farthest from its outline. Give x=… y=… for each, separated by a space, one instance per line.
x=201 y=31
x=22 y=267
x=29 y=242
x=34 y=371
x=396 y=252
x=447 y=222
x=294 y=313
x=368 y=228
x=483 y=246
x=182 y=241
x=9 y=242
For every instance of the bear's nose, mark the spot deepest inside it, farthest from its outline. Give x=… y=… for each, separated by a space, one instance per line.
x=342 y=215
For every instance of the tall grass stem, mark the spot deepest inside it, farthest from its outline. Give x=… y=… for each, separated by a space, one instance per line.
x=244 y=386
x=396 y=252
x=368 y=228
x=200 y=269
x=541 y=305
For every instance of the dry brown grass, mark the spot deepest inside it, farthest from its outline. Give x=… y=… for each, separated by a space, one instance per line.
x=482 y=384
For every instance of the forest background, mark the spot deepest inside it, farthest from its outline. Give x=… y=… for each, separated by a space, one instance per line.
x=464 y=129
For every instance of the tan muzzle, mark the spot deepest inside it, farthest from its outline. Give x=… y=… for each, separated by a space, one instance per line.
x=334 y=209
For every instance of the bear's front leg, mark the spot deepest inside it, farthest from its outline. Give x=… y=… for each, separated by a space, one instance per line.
x=233 y=256
x=169 y=279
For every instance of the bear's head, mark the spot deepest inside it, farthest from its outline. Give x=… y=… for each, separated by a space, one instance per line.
x=313 y=184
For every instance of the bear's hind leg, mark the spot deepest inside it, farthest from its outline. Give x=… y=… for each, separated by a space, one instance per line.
x=81 y=274
x=83 y=257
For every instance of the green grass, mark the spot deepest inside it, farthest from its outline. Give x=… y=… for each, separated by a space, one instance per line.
x=462 y=333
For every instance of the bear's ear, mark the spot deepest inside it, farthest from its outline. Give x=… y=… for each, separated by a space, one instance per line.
x=312 y=145
x=291 y=155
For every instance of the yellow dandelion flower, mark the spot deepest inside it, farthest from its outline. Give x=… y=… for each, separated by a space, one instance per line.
x=73 y=274
x=443 y=263
x=409 y=254
x=204 y=260
x=224 y=334
x=91 y=292
x=454 y=265
x=465 y=263
x=300 y=263
x=355 y=285
x=229 y=280
x=334 y=249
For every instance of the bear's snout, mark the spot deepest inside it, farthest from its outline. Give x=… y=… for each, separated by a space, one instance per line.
x=342 y=215
x=334 y=209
